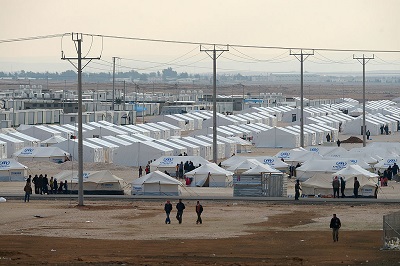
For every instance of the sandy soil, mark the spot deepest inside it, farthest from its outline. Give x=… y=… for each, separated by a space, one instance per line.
x=232 y=233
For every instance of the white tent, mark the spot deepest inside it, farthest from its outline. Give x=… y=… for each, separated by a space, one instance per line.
x=323 y=167
x=156 y=183
x=91 y=153
x=94 y=182
x=210 y=175
x=262 y=168
x=383 y=164
x=244 y=166
x=277 y=137
x=298 y=155
x=323 y=185
x=11 y=170
x=52 y=154
x=270 y=160
x=52 y=140
x=168 y=163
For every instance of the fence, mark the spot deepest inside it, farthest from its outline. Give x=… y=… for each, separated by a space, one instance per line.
x=391 y=231
x=260 y=185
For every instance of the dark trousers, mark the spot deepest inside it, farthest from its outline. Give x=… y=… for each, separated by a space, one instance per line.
x=335 y=234
x=167 y=220
x=27 y=196
x=297 y=195
x=336 y=192
x=37 y=189
x=179 y=216
x=199 y=218
x=355 y=193
x=342 y=191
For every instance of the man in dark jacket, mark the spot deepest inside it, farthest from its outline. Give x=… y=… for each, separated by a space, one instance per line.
x=168 y=209
x=199 y=210
x=180 y=207
x=335 y=225
x=356 y=187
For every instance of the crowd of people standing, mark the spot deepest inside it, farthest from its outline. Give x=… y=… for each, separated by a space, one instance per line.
x=43 y=185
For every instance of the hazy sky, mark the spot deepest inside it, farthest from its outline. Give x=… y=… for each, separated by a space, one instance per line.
x=340 y=24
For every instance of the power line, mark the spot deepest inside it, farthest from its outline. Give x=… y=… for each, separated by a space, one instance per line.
x=242 y=45
x=34 y=38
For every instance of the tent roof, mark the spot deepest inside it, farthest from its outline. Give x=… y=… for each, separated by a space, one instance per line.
x=165 y=161
x=354 y=170
x=246 y=164
x=103 y=176
x=7 y=164
x=156 y=177
x=262 y=168
x=211 y=168
x=40 y=152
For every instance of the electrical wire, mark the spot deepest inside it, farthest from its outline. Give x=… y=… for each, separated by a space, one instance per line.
x=242 y=45
x=34 y=38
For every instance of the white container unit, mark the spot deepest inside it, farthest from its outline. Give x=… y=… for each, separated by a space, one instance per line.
x=165 y=132
x=174 y=130
x=109 y=149
x=28 y=140
x=230 y=145
x=41 y=132
x=141 y=130
x=13 y=144
x=178 y=149
x=192 y=149
x=65 y=132
x=3 y=149
x=220 y=146
x=92 y=153
x=206 y=149
x=154 y=132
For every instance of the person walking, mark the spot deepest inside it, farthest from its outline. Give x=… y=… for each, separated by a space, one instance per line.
x=368 y=134
x=395 y=169
x=140 y=171
x=342 y=186
x=28 y=191
x=199 y=210
x=297 y=189
x=336 y=186
x=328 y=138
x=356 y=187
x=180 y=207
x=338 y=142
x=335 y=225
x=168 y=209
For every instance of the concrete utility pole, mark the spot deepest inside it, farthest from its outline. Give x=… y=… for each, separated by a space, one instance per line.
x=301 y=57
x=364 y=60
x=113 y=91
x=78 y=39
x=124 y=96
x=214 y=57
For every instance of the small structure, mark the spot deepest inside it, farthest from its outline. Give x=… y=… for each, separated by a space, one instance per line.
x=156 y=183
x=94 y=182
x=52 y=154
x=11 y=170
x=210 y=175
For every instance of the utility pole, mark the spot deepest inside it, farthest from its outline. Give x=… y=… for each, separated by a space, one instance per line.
x=113 y=91
x=124 y=96
x=302 y=56
x=77 y=38
x=214 y=57
x=364 y=60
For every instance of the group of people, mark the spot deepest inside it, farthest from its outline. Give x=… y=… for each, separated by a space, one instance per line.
x=182 y=168
x=341 y=184
x=388 y=174
x=336 y=185
x=146 y=170
x=180 y=207
x=43 y=185
x=384 y=129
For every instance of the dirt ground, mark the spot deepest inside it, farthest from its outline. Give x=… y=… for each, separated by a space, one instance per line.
x=232 y=233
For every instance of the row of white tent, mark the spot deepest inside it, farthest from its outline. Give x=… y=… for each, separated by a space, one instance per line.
x=204 y=119
x=160 y=130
